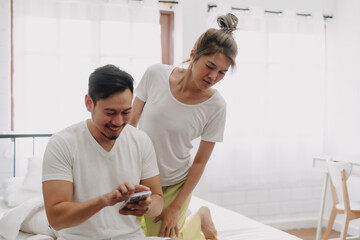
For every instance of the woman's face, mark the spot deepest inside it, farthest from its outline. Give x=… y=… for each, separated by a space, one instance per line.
x=208 y=70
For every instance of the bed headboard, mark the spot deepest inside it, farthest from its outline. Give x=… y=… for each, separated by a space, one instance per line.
x=14 y=136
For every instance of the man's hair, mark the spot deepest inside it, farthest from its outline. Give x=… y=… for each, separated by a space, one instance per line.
x=107 y=80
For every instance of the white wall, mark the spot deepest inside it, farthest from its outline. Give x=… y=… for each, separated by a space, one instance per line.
x=342 y=128
x=343 y=110
x=5 y=104
x=193 y=23
x=4 y=65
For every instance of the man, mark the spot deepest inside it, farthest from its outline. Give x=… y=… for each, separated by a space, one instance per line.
x=91 y=166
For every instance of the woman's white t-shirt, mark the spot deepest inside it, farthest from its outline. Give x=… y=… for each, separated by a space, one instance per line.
x=172 y=125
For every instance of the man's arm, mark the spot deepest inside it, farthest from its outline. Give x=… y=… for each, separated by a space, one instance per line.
x=62 y=212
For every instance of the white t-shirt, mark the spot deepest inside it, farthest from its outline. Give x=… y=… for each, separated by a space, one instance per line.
x=172 y=125
x=74 y=155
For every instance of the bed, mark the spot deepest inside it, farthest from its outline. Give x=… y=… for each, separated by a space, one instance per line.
x=234 y=226
x=22 y=214
x=29 y=222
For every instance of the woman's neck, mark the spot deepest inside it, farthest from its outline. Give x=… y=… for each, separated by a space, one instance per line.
x=184 y=89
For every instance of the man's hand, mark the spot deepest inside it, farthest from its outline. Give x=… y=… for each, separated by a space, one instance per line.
x=137 y=209
x=122 y=192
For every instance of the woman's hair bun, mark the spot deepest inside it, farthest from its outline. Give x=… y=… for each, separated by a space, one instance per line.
x=227 y=22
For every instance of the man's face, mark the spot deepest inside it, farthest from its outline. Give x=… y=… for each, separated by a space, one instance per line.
x=109 y=116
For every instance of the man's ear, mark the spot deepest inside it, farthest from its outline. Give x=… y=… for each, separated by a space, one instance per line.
x=88 y=102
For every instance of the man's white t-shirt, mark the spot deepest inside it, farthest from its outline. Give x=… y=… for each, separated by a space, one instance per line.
x=74 y=155
x=172 y=125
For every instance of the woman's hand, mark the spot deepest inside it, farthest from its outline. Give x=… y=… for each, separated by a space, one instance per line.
x=169 y=217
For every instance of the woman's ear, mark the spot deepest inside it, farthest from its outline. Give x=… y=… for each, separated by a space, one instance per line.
x=88 y=102
x=192 y=54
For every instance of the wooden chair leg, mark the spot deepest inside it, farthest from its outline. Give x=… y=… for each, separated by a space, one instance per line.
x=345 y=227
x=330 y=224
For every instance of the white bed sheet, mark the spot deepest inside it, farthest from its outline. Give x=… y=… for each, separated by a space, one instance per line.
x=3 y=209
x=37 y=214
x=234 y=226
x=230 y=225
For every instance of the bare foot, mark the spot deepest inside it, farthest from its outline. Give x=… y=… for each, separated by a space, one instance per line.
x=207 y=225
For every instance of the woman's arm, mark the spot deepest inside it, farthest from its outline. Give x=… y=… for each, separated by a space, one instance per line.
x=170 y=215
x=157 y=199
x=137 y=109
x=201 y=158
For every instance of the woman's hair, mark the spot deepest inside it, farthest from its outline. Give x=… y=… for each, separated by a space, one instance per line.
x=218 y=40
x=108 y=79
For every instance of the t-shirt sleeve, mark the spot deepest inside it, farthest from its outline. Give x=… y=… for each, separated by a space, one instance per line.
x=57 y=164
x=149 y=164
x=141 y=90
x=214 y=128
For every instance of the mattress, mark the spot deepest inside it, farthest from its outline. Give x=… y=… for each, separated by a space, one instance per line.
x=232 y=225
x=229 y=224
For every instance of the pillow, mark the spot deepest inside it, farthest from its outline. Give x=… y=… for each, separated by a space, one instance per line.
x=14 y=194
x=20 y=196
x=38 y=224
x=19 y=189
x=11 y=186
x=33 y=177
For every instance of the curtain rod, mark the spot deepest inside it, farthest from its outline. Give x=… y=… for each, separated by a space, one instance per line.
x=304 y=14
x=326 y=16
x=241 y=9
x=273 y=12
x=210 y=6
x=174 y=2
x=247 y=10
x=160 y=1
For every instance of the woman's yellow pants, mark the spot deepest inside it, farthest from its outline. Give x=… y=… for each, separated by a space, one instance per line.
x=189 y=228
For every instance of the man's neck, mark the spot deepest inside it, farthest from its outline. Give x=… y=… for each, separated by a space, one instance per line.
x=104 y=142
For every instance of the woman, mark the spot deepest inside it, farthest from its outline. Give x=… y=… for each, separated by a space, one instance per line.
x=176 y=105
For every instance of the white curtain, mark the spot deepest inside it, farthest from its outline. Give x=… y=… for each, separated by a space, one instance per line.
x=275 y=105
x=58 y=43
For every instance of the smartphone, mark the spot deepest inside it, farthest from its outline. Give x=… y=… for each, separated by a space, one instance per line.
x=135 y=198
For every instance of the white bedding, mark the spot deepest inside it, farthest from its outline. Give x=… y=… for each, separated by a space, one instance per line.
x=230 y=225
x=22 y=208
x=28 y=216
